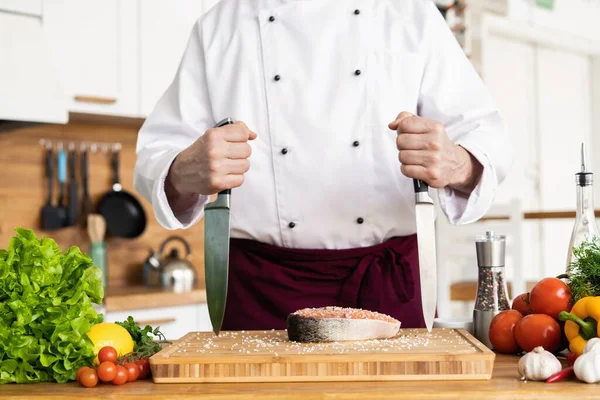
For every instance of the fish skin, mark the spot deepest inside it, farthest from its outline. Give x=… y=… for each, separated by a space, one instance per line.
x=314 y=330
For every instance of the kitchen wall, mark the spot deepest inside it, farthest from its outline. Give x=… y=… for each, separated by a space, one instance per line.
x=23 y=193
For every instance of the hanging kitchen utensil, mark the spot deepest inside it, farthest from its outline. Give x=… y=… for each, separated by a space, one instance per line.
x=73 y=201
x=96 y=230
x=62 y=179
x=86 y=202
x=125 y=216
x=427 y=250
x=177 y=274
x=51 y=218
x=216 y=252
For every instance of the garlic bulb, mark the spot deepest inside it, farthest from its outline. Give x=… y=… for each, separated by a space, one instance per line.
x=592 y=344
x=587 y=366
x=538 y=365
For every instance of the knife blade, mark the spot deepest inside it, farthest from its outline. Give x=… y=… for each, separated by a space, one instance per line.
x=425 y=217
x=217 y=221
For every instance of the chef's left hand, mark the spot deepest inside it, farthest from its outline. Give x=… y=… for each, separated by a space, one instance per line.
x=427 y=153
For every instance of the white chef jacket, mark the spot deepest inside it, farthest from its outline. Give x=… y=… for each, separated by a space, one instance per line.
x=319 y=81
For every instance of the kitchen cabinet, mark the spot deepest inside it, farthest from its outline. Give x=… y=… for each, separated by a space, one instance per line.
x=165 y=28
x=174 y=322
x=29 y=7
x=117 y=57
x=93 y=45
x=542 y=86
x=29 y=86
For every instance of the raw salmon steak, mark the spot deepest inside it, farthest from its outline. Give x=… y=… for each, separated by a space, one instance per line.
x=330 y=324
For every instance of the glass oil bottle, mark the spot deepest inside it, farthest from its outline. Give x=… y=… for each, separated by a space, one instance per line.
x=585 y=228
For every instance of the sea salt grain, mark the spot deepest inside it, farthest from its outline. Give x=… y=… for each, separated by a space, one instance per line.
x=275 y=342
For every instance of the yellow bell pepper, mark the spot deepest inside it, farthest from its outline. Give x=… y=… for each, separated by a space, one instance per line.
x=582 y=323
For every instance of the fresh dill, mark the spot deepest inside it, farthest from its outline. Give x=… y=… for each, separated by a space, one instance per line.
x=584 y=274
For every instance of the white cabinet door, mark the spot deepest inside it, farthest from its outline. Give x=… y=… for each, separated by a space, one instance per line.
x=165 y=29
x=29 y=87
x=91 y=46
x=29 y=7
x=516 y=102
x=564 y=104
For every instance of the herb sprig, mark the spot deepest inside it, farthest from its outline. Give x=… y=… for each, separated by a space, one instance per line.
x=145 y=344
x=584 y=274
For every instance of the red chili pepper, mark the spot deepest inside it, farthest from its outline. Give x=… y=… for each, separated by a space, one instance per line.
x=561 y=375
x=571 y=357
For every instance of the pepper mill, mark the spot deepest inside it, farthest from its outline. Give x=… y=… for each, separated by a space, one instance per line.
x=492 y=293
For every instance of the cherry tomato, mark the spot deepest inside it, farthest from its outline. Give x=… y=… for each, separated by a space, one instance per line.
x=107 y=371
x=79 y=371
x=107 y=353
x=88 y=378
x=550 y=296
x=538 y=330
x=522 y=305
x=121 y=377
x=133 y=371
x=501 y=333
x=144 y=366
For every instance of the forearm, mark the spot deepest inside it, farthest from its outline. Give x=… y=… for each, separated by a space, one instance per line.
x=178 y=201
x=468 y=173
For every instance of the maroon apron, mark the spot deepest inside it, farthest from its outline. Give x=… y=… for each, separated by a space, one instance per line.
x=266 y=282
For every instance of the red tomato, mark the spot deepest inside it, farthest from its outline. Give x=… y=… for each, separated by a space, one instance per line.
x=133 y=371
x=121 y=377
x=550 y=296
x=521 y=304
x=107 y=353
x=107 y=371
x=79 y=371
x=88 y=378
x=538 y=330
x=144 y=366
x=501 y=332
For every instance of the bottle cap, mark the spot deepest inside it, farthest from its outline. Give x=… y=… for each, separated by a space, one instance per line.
x=491 y=250
x=584 y=178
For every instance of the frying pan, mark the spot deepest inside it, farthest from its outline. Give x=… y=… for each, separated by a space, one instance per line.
x=125 y=217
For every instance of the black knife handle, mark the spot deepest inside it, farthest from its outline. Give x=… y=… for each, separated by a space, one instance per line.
x=420 y=186
x=50 y=173
x=226 y=121
x=84 y=171
x=72 y=215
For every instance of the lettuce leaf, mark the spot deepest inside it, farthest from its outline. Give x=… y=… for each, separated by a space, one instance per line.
x=46 y=309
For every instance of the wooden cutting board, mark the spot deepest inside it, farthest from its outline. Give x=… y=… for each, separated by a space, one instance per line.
x=268 y=356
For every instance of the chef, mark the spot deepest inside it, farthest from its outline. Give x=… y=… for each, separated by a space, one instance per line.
x=338 y=106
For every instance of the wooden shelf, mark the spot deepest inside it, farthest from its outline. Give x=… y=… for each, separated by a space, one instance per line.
x=540 y=215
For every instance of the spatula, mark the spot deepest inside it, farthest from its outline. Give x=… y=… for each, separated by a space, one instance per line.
x=51 y=218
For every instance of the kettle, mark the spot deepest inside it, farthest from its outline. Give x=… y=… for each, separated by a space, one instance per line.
x=170 y=271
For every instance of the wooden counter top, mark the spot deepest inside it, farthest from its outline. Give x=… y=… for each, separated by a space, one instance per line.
x=141 y=297
x=505 y=384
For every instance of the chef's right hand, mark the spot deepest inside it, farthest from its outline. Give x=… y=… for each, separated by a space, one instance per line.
x=216 y=161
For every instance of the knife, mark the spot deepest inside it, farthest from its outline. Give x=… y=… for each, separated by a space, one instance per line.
x=217 y=223
x=427 y=251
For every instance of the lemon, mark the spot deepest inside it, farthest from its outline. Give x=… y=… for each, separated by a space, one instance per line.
x=110 y=334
